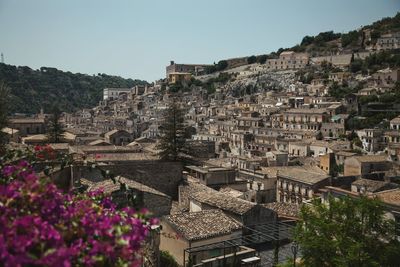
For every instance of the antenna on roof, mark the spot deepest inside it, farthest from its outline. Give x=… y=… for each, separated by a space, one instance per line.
x=2 y=58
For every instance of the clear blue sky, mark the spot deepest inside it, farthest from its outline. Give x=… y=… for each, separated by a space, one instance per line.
x=137 y=39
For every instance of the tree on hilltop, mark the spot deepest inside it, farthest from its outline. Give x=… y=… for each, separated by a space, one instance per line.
x=4 y=105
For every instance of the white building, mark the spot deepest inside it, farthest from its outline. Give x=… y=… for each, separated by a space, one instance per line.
x=113 y=93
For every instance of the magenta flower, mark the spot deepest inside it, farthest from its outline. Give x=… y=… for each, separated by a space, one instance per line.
x=42 y=226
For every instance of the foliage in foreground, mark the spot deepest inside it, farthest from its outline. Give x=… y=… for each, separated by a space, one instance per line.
x=167 y=260
x=348 y=232
x=43 y=226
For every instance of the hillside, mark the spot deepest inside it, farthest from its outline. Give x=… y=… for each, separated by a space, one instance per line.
x=325 y=43
x=33 y=89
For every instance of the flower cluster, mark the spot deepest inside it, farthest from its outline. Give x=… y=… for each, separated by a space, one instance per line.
x=42 y=226
x=45 y=152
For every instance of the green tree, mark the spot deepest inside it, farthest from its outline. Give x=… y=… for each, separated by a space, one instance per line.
x=350 y=38
x=4 y=105
x=251 y=60
x=319 y=136
x=172 y=130
x=347 y=232
x=167 y=260
x=307 y=40
x=262 y=59
x=222 y=64
x=55 y=130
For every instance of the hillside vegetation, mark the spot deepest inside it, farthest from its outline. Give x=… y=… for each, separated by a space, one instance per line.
x=32 y=89
x=329 y=42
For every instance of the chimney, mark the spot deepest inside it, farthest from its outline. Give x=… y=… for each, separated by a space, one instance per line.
x=172 y=62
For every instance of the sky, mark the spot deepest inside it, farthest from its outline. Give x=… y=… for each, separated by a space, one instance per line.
x=137 y=39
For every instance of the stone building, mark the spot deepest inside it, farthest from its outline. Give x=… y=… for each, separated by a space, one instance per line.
x=365 y=186
x=372 y=139
x=386 y=77
x=193 y=229
x=297 y=184
x=212 y=176
x=114 y=93
x=245 y=212
x=363 y=165
x=175 y=77
x=195 y=69
x=288 y=60
x=28 y=126
x=301 y=118
x=118 y=137
x=388 y=41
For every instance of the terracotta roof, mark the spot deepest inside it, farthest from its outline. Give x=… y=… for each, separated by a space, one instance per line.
x=391 y=197
x=306 y=111
x=284 y=209
x=110 y=133
x=370 y=185
x=109 y=186
x=396 y=120
x=26 y=120
x=370 y=158
x=99 y=142
x=303 y=175
x=345 y=153
x=203 y=224
x=10 y=130
x=223 y=201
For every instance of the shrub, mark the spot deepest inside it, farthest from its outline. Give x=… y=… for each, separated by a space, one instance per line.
x=167 y=260
x=42 y=226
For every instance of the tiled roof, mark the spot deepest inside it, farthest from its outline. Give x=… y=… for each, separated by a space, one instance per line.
x=223 y=201
x=109 y=186
x=306 y=111
x=303 y=175
x=26 y=120
x=203 y=224
x=391 y=197
x=371 y=185
x=370 y=158
x=284 y=209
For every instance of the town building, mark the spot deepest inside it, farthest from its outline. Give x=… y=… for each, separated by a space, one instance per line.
x=363 y=165
x=298 y=185
x=195 y=69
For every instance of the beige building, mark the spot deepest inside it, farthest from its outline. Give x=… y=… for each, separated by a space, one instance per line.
x=288 y=60
x=299 y=184
x=175 y=77
x=192 y=229
x=386 y=77
x=11 y=135
x=244 y=212
x=212 y=176
x=118 y=137
x=195 y=69
x=363 y=165
x=388 y=41
x=304 y=119
x=28 y=126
